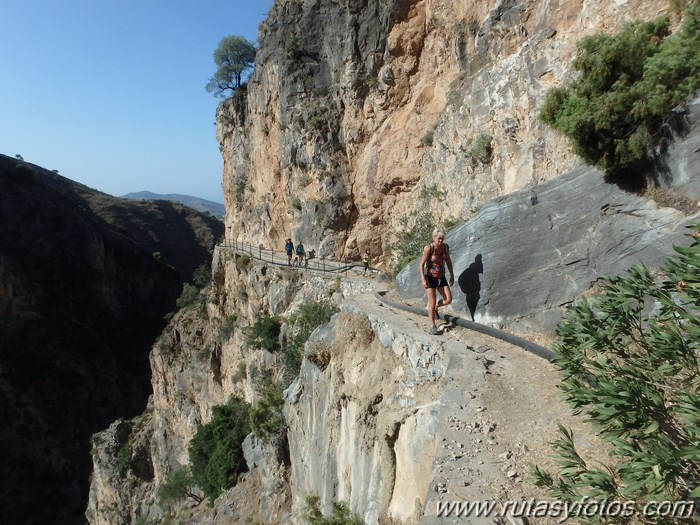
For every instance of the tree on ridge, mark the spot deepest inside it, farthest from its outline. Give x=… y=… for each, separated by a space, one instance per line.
x=233 y=57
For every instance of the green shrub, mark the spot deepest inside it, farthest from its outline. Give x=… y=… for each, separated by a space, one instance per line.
x=292 y=49
x=241 y=184
x=340 y=513
x=310 y=317
x=305 y=179
x=317 y=121
x=124 y=459
x=201 y=276
x=240 y=93
x=266 y=418
x=409 y=243
x=24 y=171
x=481 y=149
x=402 y=263
x=449 y=222
x=216 y=453
x=320 y=356
x=677 y=6
x=189 y=296
x=191 y=292
x=635 y=373
x=615 y=112
x=227 y=326
x=427 y=139
x=179 y=486
x=433 y=191
x=263 y=334
x=242 y=261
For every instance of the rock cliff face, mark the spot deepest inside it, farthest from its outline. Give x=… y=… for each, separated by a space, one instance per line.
x=200 y=362
x=526 y=256
x=377 y=399
x=362 y=114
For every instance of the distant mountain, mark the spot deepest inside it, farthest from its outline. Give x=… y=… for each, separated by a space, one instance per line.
x=214 y=208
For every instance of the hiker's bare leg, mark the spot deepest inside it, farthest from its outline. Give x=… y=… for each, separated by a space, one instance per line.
x=446 y=298
x=431 y=304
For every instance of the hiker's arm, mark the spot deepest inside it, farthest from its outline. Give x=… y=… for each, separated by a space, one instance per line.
x=448 y=260
x=423 y=260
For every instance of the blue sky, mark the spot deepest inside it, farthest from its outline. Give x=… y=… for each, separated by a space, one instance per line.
x=111 y=92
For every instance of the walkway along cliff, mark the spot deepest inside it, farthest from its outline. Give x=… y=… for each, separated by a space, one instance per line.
x=380 y=415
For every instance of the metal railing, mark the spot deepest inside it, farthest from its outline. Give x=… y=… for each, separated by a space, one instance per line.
x=279 y=258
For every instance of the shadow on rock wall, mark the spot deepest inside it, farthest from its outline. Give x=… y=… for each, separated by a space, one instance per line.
x=470 y=284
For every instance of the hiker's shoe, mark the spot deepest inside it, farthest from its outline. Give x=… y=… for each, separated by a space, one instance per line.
x=433 y=330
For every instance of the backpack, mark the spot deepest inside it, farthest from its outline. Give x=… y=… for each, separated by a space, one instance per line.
x=288 y=247
x=427 y=267
x=300 y=249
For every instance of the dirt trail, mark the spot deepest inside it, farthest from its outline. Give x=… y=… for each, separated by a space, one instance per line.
x=500 y=413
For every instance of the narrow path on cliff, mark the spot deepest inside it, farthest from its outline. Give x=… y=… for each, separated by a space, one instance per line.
x=279 y=258
x=327 y=266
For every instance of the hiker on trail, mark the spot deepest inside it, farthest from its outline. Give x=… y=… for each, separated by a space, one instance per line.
x=432 y=267
x=289 y=248
x=365 y=260
x=300 y=253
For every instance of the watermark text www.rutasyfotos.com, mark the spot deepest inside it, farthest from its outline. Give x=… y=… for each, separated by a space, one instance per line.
x=563 y=510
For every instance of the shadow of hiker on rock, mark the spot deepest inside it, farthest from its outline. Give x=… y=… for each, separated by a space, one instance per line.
x=470 y=284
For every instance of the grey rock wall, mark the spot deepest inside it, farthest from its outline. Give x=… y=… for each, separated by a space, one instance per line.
x=363 y=429
x=519 y=264
x=683 y=161
x=524 y=257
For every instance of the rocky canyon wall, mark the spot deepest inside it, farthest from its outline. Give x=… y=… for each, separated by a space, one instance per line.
x=361 y=115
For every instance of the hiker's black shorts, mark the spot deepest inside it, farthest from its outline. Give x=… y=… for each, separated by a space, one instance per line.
x=435 y=282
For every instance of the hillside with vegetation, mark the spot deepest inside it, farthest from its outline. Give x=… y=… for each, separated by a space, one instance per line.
x=86 y=280
x=206 y=206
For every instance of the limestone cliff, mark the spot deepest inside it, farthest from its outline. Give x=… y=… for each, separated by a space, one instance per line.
x=362 y=114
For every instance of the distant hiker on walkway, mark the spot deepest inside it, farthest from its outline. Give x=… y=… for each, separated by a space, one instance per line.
x=365 y=260
x=300 y=253
x=432 y=268
x=289 y=248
